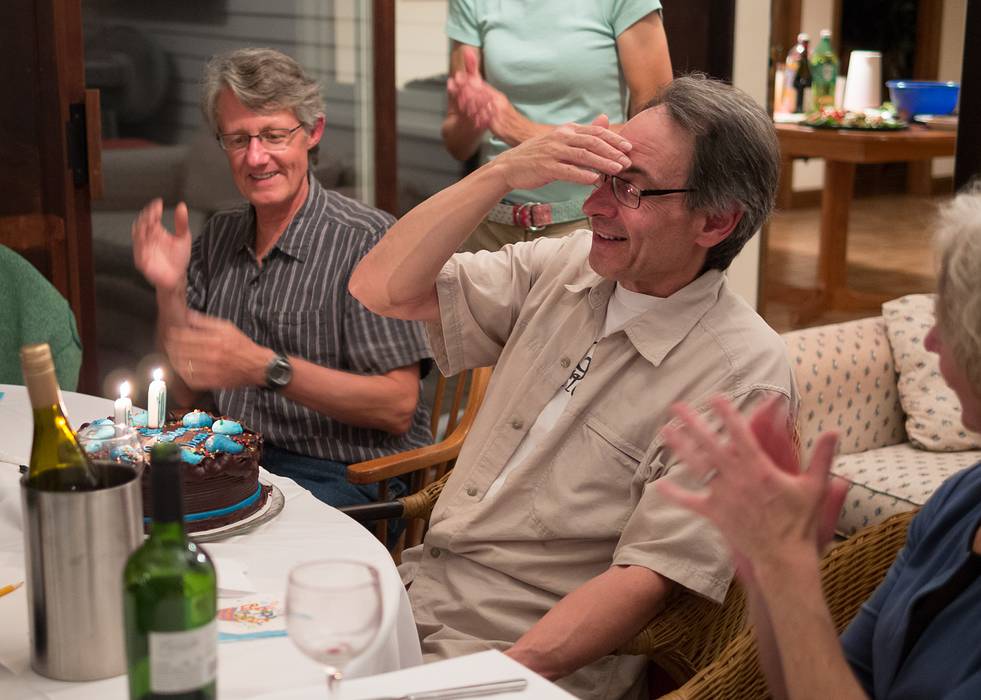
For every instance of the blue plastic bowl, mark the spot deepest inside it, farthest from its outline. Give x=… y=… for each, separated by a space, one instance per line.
x=923 y=96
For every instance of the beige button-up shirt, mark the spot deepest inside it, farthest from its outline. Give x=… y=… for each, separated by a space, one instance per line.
x=584 y=499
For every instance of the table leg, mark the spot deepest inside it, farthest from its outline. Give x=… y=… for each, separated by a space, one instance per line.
x=836 y=200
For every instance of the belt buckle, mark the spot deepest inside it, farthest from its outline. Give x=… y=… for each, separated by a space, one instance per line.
x=527 y=221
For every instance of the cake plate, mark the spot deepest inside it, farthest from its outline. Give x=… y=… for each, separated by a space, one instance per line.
x=272 y=507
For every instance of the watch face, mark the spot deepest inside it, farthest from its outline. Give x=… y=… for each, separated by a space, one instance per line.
x=278 y=373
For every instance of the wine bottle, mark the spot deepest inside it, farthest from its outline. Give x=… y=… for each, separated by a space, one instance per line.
x=170 y=599
x=57 y=461
x=802 y=81
x=789 y=102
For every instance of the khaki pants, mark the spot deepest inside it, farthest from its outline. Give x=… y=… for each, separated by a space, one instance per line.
x=493 y=236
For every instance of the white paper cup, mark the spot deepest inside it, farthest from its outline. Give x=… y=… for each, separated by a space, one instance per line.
x=863 y=88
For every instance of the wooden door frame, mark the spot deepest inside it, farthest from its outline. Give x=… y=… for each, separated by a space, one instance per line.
x=386 y=105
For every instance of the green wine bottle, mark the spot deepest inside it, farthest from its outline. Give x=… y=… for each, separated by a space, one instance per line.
x=57 y=461
x=170 y=599
x=824 y=72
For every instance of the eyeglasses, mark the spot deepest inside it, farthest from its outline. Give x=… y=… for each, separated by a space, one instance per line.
x=271 y=139
x=628 y=195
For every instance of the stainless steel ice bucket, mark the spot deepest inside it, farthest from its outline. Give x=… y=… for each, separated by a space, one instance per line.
x=75 y=547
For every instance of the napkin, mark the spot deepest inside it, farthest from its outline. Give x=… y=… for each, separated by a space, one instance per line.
x=256 y=617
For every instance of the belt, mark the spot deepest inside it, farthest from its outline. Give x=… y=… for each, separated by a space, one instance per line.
x=534 y=216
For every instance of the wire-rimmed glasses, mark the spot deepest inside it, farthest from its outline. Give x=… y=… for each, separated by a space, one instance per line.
x=271 y=139
x=629 y=195
x=333 y=613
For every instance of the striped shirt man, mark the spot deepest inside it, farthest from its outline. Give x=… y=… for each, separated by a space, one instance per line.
x=297 y=303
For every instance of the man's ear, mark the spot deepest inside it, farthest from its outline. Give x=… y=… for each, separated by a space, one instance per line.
x=316 y=133
x=718 y=226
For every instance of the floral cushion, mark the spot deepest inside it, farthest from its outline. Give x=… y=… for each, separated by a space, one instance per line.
x=933 y=413
x=892 y=480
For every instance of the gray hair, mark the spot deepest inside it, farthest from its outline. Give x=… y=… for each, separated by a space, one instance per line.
x=736 y=159
x=958 y=241
x=264 y=80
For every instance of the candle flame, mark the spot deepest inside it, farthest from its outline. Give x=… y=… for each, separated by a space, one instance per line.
x=124 y=390
x=158 y=374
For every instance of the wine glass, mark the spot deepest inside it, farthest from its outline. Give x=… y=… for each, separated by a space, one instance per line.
x=333 y=613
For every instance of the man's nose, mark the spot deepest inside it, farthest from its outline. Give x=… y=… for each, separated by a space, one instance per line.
x=601 y=202
x=256 y=153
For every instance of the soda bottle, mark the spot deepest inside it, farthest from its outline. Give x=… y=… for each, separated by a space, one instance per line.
x=824 y=72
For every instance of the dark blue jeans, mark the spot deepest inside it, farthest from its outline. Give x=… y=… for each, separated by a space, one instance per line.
x=327 y=481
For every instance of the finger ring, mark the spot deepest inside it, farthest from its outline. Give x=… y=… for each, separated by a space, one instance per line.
x=190 y=367
x=707 y=479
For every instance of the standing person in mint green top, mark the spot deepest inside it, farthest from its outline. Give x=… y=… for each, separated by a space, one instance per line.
x=519 y=68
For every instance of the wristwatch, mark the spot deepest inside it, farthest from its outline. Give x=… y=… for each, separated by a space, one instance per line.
x=279 y=372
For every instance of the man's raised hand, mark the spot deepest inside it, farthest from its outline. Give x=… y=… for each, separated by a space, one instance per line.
x=160 y=255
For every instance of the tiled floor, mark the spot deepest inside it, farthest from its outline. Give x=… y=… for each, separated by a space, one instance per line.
x=889 y=251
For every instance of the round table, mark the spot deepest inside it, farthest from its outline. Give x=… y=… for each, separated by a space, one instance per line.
x=306 y=529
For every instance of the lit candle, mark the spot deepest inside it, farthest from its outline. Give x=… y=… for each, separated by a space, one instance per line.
x=123 y=405
x=156 y=402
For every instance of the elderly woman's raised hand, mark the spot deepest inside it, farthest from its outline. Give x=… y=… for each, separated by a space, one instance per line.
x=160 y=255
x=768 y=510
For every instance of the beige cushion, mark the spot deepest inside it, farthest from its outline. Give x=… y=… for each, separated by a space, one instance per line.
x=933 y=413
x=891 y=480
x=846 y=381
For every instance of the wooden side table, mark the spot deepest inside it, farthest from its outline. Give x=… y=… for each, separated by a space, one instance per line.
x=842 y=149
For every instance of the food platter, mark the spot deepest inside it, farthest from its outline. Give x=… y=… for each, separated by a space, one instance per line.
x=272 y=507
x=867 y=120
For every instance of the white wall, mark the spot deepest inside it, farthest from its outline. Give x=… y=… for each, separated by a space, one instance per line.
x=749 y=73
x=951 y=61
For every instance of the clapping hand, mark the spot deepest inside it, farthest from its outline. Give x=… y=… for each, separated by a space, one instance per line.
x=160 y=255
x=212 y=353
x=755 y=492
x=473 y=97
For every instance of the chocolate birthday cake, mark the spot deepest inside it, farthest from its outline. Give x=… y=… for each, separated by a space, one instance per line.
x=220 y=466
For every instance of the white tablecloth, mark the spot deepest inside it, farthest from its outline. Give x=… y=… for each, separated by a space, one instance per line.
x=484 y=667
x=306 y=529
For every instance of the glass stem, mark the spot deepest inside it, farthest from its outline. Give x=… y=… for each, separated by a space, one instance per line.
x=333 y=683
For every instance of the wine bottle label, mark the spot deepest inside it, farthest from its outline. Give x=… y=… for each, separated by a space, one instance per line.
x=183 y=661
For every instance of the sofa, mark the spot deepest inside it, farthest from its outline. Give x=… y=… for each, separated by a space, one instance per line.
x=850 y=381
x=135 y=172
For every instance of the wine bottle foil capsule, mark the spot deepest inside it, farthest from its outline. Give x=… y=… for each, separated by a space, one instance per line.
x=75 y=547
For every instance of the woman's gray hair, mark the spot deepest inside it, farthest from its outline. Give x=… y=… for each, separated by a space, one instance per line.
x=958 y=241
x=264 y=80
x=736 y=159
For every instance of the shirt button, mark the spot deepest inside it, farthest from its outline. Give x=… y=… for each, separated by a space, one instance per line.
x=471 y=491
x=565 y=362
x=435 y=552
x=517 y=424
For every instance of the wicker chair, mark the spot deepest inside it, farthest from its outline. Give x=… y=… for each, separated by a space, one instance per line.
x=450 y=425
x=850 y=573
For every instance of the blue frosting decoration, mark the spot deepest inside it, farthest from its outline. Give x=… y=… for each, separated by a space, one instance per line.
x=190 y=456
x=222 y=443
x=101 y=421
x=227 y=427
x=124 y=453
x=191 y=517
x=139 y=419
x=197 y=419
x=198 y=439
x=93 y=446
x=101 y=432
x=148 y=432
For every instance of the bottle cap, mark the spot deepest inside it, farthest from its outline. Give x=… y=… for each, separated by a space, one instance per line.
x=802 y=37
x=825 y=33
